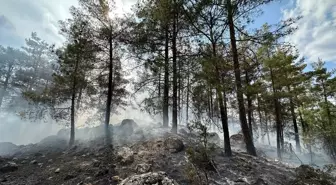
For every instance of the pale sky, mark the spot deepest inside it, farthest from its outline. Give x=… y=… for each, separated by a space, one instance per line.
x=18 y=18
x=314 y=38
x=316 y=34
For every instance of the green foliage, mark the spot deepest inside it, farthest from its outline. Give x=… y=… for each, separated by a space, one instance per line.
x=318 y=110
x=200 y=155
x=308 y=175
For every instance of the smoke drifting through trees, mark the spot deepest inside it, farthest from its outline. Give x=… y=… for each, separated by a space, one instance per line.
x=196 y=63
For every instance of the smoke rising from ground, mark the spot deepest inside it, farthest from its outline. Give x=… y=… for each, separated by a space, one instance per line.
x=21 y=132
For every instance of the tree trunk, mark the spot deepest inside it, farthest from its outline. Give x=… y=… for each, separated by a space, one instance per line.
x=260 y=116
x=249 y=104
x=72 y=109
x=35 y=67
x=222 y=104
x=242 y=114
x=267 y=132
x=187 y=104
x=166 y=81
x=277 y=117
x=179 y=92
x=174 y=52
x=225 y=125
x=108 y=138
x=79 y=98
x=326 y=103
x=4 y=89
x=159 y=88
x=303 y=123
x=296 y=129
x=211 y=105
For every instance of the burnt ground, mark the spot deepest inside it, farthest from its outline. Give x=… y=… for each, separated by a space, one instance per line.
x=50 y=162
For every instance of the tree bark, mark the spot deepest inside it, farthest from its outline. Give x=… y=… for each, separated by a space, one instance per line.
x=187 y=103
x=225 y=125
x=296 y=129
x=267 y=132
x=260 y=116
x=166 y=80
x=303 y=123
x=4 y=89
x=326 y=103
x=277 y=117
x=79 y=98
x=174 y=52
x=179 y=91
x=249 y=104
x=159 y=88
x=242 y=114
x=108 y=138
x=222 y=104
x=72 y=109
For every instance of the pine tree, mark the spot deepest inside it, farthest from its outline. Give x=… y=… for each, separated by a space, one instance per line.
x=11 y=59
x=207 y=22
x=247 y=135
x=109 y=36
x=75 y=61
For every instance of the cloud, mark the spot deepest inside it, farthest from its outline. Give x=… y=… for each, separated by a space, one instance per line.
x=40 y=16
x=315 y=37
x=21 y=17
x=7 y=32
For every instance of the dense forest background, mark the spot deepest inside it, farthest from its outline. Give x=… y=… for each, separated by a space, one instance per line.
x=195 y=62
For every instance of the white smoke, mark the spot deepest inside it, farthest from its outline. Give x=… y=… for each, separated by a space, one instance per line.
x=21 y=132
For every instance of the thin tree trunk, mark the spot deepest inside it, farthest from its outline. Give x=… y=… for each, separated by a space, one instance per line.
x=211 y=105
x=35 y=67
x=187 y=104
x=174 y=52
x=260 y=116
x=222 y=104
x=267 y=131
x=296 y=129
x=4 y=89
x=277 y=117
x=179 y=92
x=242 y=114
x=79 y=99
x=222 y=101
x=303 y=123
x=72 y=109
x=326 y=103
x=249 y=104
x=108 y=138
x=159 y=88
x=166 y=81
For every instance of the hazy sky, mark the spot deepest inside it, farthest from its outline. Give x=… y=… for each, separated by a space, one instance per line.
x=314 y=38
x=18 y=18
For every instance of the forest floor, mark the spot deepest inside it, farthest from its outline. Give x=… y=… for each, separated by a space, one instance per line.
x=146 y=156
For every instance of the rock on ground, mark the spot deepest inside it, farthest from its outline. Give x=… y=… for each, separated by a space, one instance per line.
x=213 y=137
x=127 y=127
x=237 y=139
x=173 y=144
x=143 y=168
x=151 y=178
x=9 y=167
x=125 y=155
